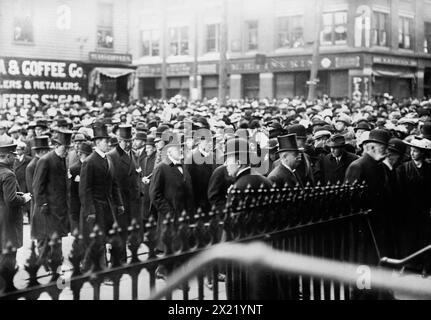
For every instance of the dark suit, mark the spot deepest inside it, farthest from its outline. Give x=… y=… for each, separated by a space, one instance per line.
x=74 y=200
x=20 y=169
x=50 y=187
x=218 y=186
x=282 y=176
x=328 y=170
x=127 y=176
x=243 y=181
x=147 y=169
x=200 y=172
x=29 y=174
x=171 y=192
x=99 y=194
x=305 y=170
x=10 y=209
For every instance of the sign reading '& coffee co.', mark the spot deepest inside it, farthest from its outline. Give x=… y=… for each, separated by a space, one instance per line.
x=36 y=82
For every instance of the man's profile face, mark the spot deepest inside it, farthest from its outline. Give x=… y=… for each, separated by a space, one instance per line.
x=336 y=152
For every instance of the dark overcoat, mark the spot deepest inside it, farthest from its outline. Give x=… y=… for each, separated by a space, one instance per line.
x=328 y=170
x=20 y=169
x=74 y=200
x=281 y=176
x=50 y=187
x=10 y=209
x=99 y=194
x=218 y=186
x=147 y=169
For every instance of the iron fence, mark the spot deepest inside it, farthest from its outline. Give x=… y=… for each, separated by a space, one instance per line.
x=323 y=221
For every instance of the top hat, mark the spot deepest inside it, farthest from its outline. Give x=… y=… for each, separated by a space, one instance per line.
x=125 y=132
x=100 y=131
x=397 y=145
x=113 y=142
x=64 y=137
x=41 y=143
x=379 y=136
x=426 y=130
x=297 y=129
x=86 y=148
x=150 y=141
x=336 y=141
x=287 y=143
x=141 y=136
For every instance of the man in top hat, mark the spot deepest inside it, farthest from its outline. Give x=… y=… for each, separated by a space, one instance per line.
x=20 y=166
x=369 y=169
x=332 y=167
x=74 y=175
x=171 y=190
x=147 y=168
x=127 y=173
x=100 y=196
x=41 y=147
x=139 y=147
x=50 y=213
x=304 y=169
x=290 y=157
x=11 y=200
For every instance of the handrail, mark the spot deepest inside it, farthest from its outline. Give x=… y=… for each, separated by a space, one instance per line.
x=402 y=262
x=259 y=255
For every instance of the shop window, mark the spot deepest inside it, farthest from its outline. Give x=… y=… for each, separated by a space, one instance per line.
x=151 y=43
x=290 y=32
x=427 y=40
x=251 y=84
x=334 y=28
x=210 y=87
x=405 y=33
x=252 y=35
x=23 y=22
x=179 y=41
x=105 y=33
x=379 y=32
x=213 y=37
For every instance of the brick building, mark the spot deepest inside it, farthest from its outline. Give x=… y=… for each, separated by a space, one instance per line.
x=366 y=47
x=62 y=49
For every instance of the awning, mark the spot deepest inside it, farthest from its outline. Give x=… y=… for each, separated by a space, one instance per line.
x=114 y=72
x=394 y=73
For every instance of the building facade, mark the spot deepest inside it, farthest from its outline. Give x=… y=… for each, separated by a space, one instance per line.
x=366 y=47
x=54 y=50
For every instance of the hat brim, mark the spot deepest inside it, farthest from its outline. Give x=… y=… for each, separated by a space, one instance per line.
x=291 y=150
x=336 y=145
x=416 y=146
x=375 y=141
x=100 y=137
x=41 y=148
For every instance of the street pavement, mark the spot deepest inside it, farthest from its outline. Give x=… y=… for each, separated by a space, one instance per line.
x=106 y=291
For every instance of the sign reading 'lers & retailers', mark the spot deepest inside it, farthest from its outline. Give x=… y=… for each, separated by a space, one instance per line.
x=28 y=81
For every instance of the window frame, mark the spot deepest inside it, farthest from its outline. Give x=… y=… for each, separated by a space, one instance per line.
x=402 y=35
x=179 y=41
x=27 y=6
x=152 y=41
x=333 y=26
x=248 y=35
x=290 y=31
x=376 y=31
x=216 y=38
x=109 y=27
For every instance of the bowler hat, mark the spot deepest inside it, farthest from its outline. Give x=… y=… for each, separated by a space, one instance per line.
x=8 y=148
x=86 y=148
x=150 y=141
x=41 y=143
x=397 y=145
x=297 y=129
x=363 y=126
x=379 y=136
x=100 y=131
x=336 y=141
x=287 y=143
x=79 y=137
x=141 y=136
x=64 y=137
x=125 y=132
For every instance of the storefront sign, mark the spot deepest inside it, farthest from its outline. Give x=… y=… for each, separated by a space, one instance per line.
x=395 y=61
x=360 y=88
x=115 y=58
x=178 y=69
x=348 y=62
x=208 y=68
x=27 y=81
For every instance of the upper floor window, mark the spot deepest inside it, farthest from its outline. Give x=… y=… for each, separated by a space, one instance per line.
x=334 y=28
x=290 y=32
x=151 y=43
x=213 y=38
x=405 y=33
x=105 y=34
x=23 y=22
x=379 y=32
x=427 y=40
x=179 y=41
x=252 y=34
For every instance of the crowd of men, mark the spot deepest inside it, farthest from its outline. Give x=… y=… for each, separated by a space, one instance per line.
x=70 y=166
